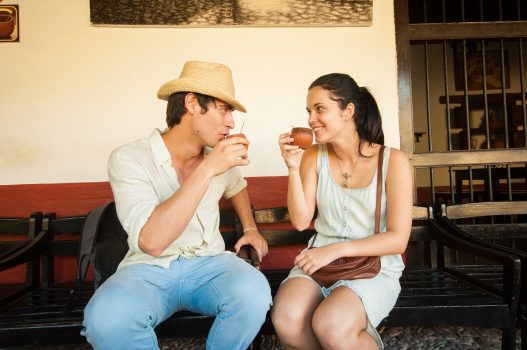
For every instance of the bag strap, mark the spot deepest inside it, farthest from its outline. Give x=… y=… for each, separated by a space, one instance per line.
x=378 y=196
x=379 y=190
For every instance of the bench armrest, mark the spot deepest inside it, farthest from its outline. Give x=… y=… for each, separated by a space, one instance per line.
x=27 y=252
x=510 y=262
x=451 y=226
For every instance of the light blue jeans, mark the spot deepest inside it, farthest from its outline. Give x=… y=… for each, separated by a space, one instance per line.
x=124 y=311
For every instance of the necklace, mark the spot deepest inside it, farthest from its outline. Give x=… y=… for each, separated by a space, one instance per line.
x=345 y=174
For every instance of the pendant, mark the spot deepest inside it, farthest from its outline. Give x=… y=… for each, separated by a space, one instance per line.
x=346 y=175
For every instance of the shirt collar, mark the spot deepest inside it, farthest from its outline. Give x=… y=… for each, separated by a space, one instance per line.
x=159 y=149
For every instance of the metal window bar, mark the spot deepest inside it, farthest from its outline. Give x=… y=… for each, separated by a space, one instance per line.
x=449 y=116
x=485 y=93
x=486 y=109
x=522 y=88
x=429 y=115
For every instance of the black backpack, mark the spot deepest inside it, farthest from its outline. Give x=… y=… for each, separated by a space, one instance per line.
x=103 y=244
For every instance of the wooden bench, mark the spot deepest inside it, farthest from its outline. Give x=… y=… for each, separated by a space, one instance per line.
x=498 y=225
x=19 y=234
x=38 y=317
x=432 y=293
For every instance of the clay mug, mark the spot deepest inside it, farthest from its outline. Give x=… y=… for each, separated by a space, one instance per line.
x=303 y=137
x=238 y=135
x=7 y=22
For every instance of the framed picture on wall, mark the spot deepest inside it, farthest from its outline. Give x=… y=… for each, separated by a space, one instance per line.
x=206 y=13
x=9 y=23
x=493 y=70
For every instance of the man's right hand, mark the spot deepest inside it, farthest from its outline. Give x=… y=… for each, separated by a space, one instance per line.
x=227 y=154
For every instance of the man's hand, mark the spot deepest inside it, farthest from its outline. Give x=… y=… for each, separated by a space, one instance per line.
x=254 y=239
x=227 y=154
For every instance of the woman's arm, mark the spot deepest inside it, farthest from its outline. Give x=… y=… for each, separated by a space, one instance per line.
x=302 y=183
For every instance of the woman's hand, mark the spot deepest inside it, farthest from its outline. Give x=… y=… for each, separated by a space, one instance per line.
x=310 y=260
x=291 y=154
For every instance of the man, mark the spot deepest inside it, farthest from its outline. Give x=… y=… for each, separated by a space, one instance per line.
x=166 y=189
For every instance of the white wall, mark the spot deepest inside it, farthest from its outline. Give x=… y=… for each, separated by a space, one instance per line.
x=71 y=92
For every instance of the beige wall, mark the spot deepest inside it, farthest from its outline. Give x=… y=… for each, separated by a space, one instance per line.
x=71 y=92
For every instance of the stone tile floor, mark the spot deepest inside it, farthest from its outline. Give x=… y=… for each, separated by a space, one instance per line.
x=395 y=338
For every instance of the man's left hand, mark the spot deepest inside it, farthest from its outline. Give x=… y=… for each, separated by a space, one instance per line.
x=254 y=239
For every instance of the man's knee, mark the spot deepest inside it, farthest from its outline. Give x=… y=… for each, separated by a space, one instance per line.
x=255 y=292
x=251 y=294
x=109 y=320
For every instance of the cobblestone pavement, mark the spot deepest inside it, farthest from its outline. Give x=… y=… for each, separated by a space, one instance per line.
x=396 y=338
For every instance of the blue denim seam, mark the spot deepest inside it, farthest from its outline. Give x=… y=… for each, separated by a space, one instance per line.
x=212 y=337
x=151 y=328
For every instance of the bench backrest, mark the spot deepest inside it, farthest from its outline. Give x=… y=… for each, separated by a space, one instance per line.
x=490 y=220
x=64 y=248
x=15 y=231
x=275 y=225
x=15 y=234
x=501 y=223
x=479 y=209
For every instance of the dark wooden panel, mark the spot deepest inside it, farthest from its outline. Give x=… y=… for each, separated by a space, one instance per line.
x=481 y=30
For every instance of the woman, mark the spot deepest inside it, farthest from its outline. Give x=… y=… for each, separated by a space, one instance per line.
x=338 y=177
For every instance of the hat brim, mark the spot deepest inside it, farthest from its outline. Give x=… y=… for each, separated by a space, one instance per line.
x=199 y=86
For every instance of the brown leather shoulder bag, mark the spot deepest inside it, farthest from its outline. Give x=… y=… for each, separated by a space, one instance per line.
x=357 y=267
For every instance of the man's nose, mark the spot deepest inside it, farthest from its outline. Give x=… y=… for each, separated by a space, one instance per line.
x=229 y=120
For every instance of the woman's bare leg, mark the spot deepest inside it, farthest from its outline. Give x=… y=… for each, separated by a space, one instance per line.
x=293 y=308
x=340 y=321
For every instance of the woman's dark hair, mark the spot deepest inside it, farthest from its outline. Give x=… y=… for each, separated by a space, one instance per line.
x=345 y=90
x=176 y=106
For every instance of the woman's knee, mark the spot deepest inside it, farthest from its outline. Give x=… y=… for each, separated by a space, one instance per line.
x=287 y=321
x=288 y=317
x=332 y=330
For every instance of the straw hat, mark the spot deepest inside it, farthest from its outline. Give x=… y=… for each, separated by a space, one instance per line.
x=212 y=79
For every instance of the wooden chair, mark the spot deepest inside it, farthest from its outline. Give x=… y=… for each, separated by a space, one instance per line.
x=496 y=225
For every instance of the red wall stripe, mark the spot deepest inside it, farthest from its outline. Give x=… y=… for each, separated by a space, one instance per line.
x=71 y=199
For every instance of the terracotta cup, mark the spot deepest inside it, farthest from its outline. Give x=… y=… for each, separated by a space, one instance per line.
x=7 y=24
x=238 y=135
x=303 y=137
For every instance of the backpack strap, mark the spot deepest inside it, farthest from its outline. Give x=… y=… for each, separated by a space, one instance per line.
x=86 y=251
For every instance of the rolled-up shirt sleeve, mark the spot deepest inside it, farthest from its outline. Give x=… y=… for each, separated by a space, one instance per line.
x=134 y=195
x=235 y=182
